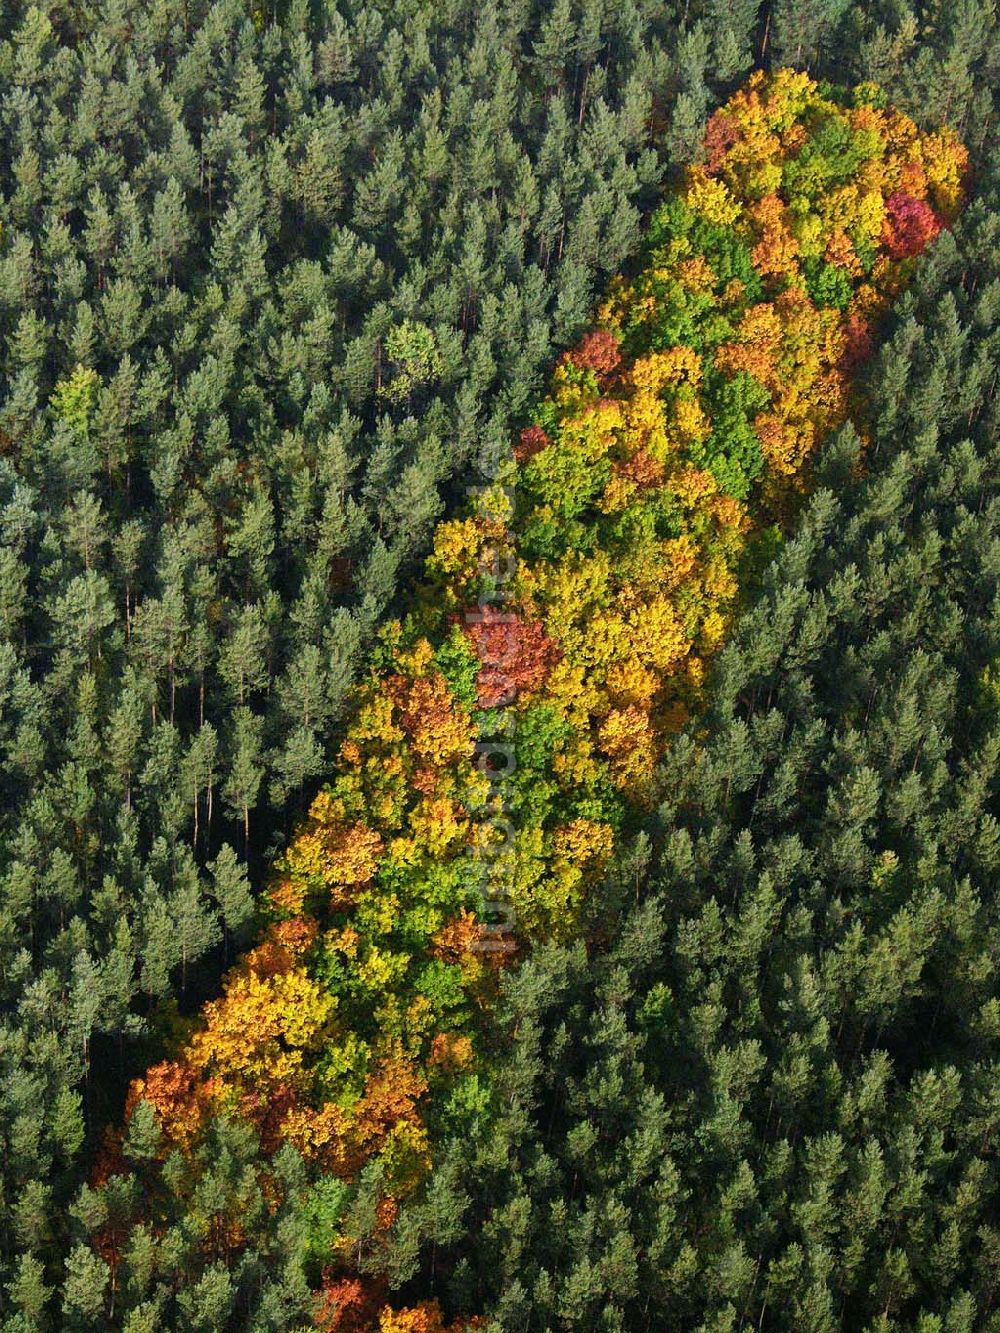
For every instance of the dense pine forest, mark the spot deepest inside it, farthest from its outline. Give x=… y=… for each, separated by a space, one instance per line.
x=500 y=666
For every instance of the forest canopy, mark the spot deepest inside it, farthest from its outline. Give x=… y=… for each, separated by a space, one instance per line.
x=632 y=967
x=675 y=433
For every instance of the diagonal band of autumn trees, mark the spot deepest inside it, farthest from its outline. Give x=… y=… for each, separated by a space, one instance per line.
x=659 y=468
